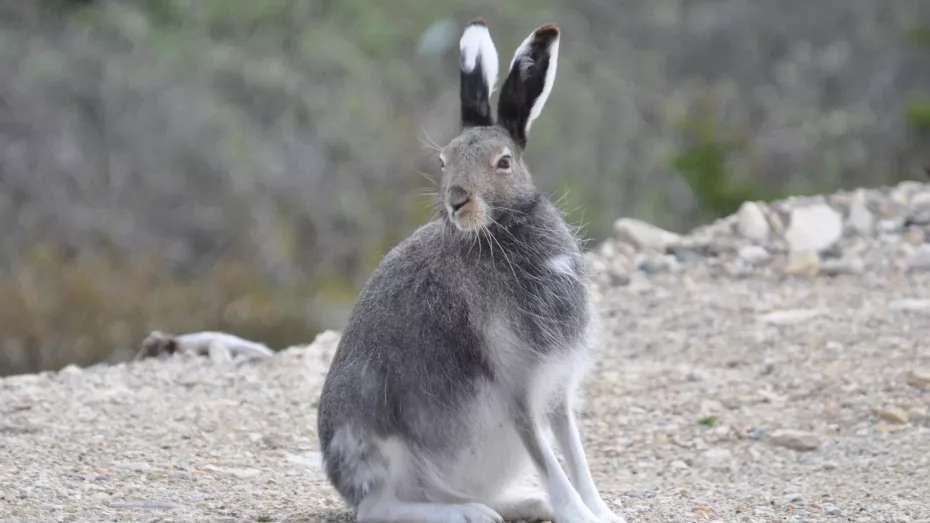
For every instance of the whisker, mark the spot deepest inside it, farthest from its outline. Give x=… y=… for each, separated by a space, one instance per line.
x=428 y=177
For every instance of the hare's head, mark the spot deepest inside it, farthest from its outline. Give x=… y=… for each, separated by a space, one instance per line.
x=484 y=179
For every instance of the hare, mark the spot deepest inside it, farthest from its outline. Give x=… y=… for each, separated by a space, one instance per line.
x=464 y=353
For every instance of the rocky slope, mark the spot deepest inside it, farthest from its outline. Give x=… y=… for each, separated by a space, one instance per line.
x=772 y=366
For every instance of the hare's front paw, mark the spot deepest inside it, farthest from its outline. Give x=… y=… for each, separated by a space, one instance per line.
x=472 y=513
x=610 y=517
x=602 y=511
x=585 y=515
x=531 y=508
x=575 y=514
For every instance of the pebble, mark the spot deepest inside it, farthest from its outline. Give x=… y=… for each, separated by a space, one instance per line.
x=718 y=456
x=831 y=510
x=751 y=222
x=806 y=263
x=796 y=439
x=918 y=414
x=919 y=378
x=238 y=473
x=861 y=220
x=644 y=235
x=847 y=265
x=920 y=259
x=813 y=228
x=138 y=467
x=893 y=414
x=910 y=305
x=145 y=505
x=790 y=316
x=753 y=254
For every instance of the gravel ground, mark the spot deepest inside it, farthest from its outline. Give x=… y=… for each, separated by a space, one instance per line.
x=724 y=392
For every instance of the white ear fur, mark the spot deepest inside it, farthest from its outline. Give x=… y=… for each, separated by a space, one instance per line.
x=476 y=41
x=522 y=54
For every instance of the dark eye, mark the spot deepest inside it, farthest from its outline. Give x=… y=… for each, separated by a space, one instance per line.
x=504 y=163
x=442 y=164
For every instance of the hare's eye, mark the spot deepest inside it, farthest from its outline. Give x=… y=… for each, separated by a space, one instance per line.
x=504 y=163
x=442 y=164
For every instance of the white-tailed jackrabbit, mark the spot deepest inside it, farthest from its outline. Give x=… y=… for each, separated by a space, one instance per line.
x=464 y=352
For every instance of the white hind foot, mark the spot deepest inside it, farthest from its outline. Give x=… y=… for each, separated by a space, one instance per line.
x=527 y=507
x=376 y=509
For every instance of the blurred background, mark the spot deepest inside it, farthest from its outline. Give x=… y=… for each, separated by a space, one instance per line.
x=242 y=165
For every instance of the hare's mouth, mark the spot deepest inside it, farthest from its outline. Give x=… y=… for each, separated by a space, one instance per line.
x=470 y=216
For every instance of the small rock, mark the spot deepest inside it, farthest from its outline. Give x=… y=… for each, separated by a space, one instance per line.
x=718 y=456
x=751 y=222
x=910 y=305
x=139 y=467
x=919 y=378
x=813 y=228
x=753 y=254
x=234 y=472
x=618 y=279
x=796 y=439
x=847 y=265
x=71 y=369
x=918 y=414
x=920 y=260
x=644 y=235
x=920 y=200
x=311 y=460
x=703 y=509
x=861 y=219
x=687 y=256
x=790 y=316
x=914 y=236
x=803 y=264
x=145 y=505
x=831 y=510
x=890 y=226
x=889 y=428
x=893 y=414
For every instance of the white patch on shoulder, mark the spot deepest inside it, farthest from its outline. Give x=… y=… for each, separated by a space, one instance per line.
x=476 y=41
x=561 y=264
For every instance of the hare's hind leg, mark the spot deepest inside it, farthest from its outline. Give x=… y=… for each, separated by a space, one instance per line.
x=380 y=478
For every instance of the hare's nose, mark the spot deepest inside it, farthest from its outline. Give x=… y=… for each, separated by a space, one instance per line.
x=457 y=197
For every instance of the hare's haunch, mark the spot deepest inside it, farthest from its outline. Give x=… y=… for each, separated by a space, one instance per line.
x=466 y=348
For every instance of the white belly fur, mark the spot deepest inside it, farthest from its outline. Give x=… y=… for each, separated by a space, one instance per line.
x=495 y=457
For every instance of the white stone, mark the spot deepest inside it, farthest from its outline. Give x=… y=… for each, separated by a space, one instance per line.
x=644 y=235
x=813 y=228
x=910 y=305
x=753 y=254
x=796 y=440
x=751 y=222
x=861 y=219
x=790 y=316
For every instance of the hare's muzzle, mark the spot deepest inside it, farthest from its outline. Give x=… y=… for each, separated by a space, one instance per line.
x=456 y=198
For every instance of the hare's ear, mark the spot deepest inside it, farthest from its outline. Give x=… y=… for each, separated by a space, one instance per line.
x=532 y=73
x=479 y=74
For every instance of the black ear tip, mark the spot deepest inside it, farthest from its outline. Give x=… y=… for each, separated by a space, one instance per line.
x=477 y=21
x=546 y=33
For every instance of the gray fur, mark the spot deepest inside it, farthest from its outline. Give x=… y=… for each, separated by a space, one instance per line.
x=458 y=320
